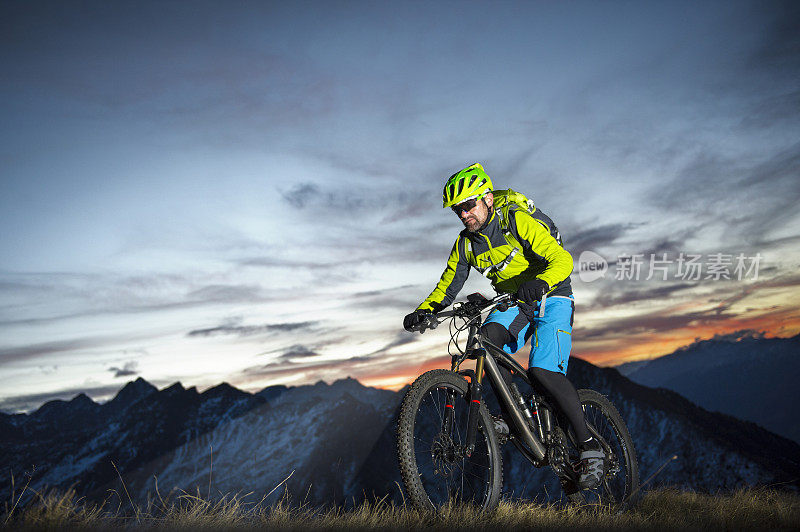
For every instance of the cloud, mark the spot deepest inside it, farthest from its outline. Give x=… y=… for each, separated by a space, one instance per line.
x=597 y=237
x=724 y=299
x=346 y=128
x=740 y=171
x=44 y=348
x=32 y=351
x=401 y=297
x=392 y=204
x=654 y=322
x=402 y=338
x=236 y=293
x=736 y=336
x=69 y=295
x=250 y=330
x=627 y=295
x=129 y=369
x=308 y=371
x=301 y=194
x=297 y=351
x=728 y=296
x=297 y=362
x=746 y=199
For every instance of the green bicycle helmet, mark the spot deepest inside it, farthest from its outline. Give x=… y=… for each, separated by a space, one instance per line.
x=471 y=182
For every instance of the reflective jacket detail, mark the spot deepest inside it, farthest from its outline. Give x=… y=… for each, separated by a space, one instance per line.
x=526 y=250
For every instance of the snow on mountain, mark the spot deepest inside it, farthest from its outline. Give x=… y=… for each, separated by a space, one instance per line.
x=336 y=442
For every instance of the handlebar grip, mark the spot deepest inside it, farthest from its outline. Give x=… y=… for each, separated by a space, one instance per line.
x=429 y=321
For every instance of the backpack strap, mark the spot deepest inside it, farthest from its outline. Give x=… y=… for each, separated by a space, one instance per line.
x=538 y=216
x=503 y=216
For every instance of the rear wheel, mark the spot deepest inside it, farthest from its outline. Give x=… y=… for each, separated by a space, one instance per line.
x=620 y=485
x=434 y=465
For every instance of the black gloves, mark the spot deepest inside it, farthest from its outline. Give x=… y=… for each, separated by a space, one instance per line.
x=414 y=319
x=532 y=291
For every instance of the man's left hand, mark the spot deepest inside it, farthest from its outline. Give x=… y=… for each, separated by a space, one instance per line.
x=532 y=291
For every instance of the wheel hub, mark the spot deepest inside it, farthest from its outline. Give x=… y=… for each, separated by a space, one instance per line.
x=613 y=466
x=445 y=453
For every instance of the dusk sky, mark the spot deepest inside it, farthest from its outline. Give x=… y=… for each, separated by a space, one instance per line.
x=250 y=192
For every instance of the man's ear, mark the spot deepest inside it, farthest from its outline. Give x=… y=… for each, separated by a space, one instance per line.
x=489 y=197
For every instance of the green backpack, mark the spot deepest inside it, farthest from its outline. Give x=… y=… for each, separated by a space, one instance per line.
x=503 y=202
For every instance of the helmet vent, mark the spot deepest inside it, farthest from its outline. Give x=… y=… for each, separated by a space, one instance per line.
x=460 y=186
x=472 y=179
x=452 y=188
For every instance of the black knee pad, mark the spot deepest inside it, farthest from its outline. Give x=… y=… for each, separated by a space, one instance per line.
x=496 y=334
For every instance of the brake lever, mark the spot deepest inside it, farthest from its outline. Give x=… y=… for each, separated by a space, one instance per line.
x=506 y=304
x=430 y=322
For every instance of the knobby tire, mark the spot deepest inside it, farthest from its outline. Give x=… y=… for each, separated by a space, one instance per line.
x=434 y=483
x=619 y=491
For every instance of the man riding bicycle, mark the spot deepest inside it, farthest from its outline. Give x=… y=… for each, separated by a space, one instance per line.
x=520 y=256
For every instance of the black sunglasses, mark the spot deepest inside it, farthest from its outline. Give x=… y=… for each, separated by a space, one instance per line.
x=464 y=206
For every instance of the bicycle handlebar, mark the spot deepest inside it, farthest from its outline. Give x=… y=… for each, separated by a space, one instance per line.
x=465 y=309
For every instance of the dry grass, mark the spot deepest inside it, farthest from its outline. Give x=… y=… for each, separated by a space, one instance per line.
x=663 y=509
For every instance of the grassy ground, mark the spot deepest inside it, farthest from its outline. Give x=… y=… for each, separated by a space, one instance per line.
x=663 y=510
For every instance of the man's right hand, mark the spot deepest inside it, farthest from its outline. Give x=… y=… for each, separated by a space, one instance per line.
x=414 y=319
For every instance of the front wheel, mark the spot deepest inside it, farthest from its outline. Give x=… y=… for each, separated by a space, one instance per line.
x=434 y=465
x=620 y=485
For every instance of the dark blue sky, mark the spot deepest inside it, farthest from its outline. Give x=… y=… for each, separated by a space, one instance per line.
x=250 y=191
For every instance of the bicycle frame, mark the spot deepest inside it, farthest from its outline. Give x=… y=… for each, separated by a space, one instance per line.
x=485 y=354
x=548 y=440
x=489 y=358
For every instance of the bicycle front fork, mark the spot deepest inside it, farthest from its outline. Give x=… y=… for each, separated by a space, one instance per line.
x=475 y=397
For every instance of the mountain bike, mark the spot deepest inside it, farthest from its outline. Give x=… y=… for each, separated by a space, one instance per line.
x=449 y=444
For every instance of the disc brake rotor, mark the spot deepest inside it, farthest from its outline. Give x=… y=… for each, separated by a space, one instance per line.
x=445 y=454
x=557 y=453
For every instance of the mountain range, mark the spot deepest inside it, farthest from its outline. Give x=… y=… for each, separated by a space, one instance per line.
x=335 y=444
x=743 y=375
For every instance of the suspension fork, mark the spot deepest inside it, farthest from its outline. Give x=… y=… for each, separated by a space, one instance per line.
x=449 y=413
x=475 y=393
x=475 y=398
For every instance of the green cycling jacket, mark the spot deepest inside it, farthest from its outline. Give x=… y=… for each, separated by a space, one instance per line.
x=526 y=250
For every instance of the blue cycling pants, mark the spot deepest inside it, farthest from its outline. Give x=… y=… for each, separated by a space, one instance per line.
x=551 y=333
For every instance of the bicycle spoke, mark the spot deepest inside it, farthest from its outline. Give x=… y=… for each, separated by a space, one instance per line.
x=443 y=470
x=464 y=471
x=435 y=401
x=612 y=490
